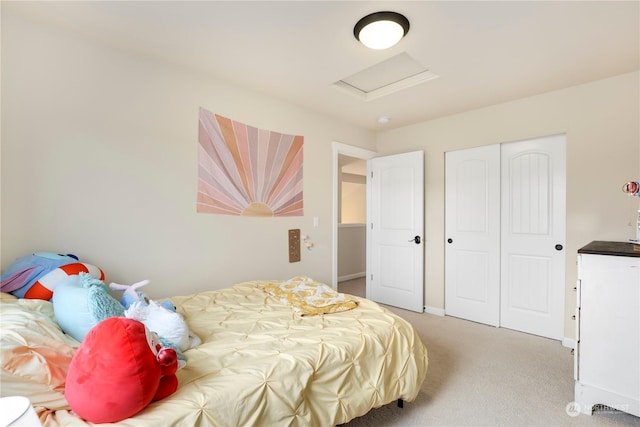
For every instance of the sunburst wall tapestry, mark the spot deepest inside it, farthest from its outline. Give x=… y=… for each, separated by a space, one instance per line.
x=247 y=171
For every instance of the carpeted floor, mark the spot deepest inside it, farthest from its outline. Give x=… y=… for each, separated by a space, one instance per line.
x=484 y=376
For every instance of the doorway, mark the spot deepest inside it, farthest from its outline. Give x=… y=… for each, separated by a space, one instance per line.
x=395 y=211
x=352 y=218
x=352 y=160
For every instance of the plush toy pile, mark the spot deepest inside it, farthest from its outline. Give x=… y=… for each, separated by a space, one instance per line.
x=129 y=350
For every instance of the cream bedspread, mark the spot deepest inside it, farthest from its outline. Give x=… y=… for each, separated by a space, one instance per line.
x=260 y=363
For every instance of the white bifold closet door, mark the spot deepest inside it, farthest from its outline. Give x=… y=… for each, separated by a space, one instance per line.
x=505 y=235
x=472 y=267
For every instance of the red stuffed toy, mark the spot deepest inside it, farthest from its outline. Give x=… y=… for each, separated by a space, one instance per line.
x=118 y=370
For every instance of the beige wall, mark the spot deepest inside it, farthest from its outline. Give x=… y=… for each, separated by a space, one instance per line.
x=602 y=123
x=99 y=159
x=352 y=253
x=353 y=194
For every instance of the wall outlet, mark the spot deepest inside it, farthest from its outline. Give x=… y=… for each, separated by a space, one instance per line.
x=294 y=245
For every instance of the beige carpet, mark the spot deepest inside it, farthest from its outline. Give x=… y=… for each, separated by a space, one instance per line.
x=484 y=376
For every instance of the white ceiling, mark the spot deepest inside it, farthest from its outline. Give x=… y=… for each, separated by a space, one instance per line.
x=483 y=52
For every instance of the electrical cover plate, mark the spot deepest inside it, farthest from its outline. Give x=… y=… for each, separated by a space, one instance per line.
x=294 y=245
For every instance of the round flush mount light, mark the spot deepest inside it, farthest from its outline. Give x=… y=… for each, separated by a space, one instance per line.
x=381 y=30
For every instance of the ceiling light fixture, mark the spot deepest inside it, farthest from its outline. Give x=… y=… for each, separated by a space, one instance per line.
x=381 y=30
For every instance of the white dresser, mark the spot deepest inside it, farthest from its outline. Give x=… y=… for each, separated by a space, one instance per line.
x=607 y=356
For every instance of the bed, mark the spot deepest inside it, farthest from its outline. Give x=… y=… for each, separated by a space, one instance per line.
x=260 y=362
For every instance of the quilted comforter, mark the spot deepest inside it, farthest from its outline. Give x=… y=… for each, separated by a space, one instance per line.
x=259 y=363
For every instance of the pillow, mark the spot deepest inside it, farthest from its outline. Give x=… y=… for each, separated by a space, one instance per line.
x=34 y=353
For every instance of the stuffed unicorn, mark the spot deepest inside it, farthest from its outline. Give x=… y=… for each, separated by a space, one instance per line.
x=160 y=318
x=131 y=294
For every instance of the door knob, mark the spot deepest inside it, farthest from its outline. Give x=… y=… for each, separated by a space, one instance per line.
x=416 y=240
x=558 y=247
x=449 y=240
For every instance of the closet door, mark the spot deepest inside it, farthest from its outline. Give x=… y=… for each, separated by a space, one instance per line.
x=533 y=236
x=505 y=235
x=472 y=233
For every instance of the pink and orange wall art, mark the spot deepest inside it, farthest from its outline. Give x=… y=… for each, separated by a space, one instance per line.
x=247 y=171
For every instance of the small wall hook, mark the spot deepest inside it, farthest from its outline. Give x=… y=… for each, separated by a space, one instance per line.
x=307 y=241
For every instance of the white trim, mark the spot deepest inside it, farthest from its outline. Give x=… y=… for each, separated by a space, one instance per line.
x=348 y=150
x=352 y=276
x=423 y=76
x=569 y=342
x=434 y=311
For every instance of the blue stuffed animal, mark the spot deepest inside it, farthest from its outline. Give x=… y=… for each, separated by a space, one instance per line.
x=36 y=275
x=81 y=302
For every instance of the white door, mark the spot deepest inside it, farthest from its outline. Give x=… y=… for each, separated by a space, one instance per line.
x=533 y=236
x=472 y=233
x=395 y=253
x=505 y=217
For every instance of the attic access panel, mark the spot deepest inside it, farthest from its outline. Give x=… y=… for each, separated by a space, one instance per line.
x=392 y=75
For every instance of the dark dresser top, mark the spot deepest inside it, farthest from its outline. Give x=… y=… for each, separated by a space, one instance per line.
x=611 y=248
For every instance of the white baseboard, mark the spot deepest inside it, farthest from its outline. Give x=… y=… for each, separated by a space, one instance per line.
x=433 y=310
x=566 y=342
x=352 y=276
